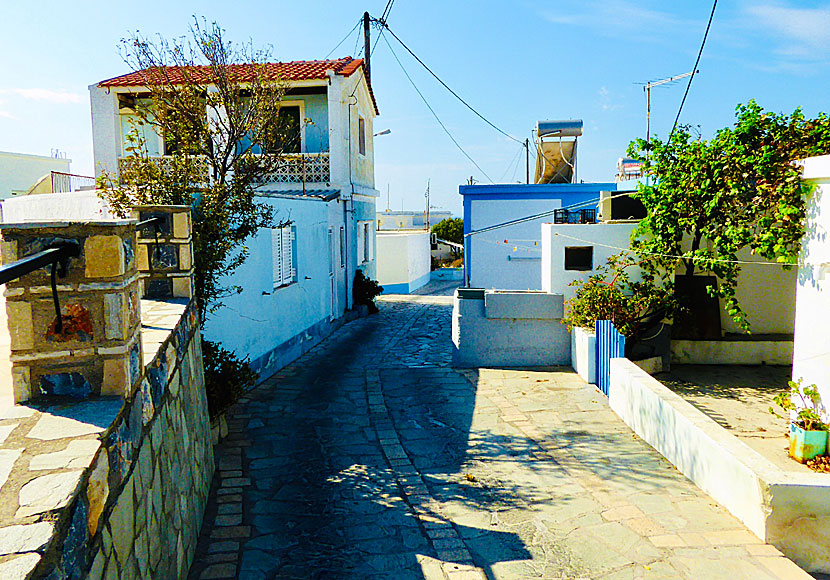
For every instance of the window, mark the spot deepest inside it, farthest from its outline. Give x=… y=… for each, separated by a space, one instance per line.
x=365 y=242
x=283 y=241
x=342 y=247
x=361 y=135
x=579 y=258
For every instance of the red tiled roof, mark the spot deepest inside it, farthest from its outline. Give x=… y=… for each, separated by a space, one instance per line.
x=298 y=70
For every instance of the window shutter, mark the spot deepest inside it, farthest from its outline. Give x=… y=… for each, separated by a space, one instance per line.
x=286 y=260
x=370 y=239
x=361 y=240
x=276 y=255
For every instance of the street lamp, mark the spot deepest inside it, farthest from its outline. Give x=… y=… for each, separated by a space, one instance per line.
x=384 y=132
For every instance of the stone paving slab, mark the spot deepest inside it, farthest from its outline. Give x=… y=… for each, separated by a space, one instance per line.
x=369 y=457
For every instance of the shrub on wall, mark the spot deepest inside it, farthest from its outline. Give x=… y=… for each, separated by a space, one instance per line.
x=227 y=376
x=365 y=290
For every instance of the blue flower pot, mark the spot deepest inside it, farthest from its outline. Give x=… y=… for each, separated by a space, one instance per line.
x=805 y=445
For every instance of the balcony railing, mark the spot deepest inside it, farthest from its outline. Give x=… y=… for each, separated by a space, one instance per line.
x=66 y=182
x=165 y=163
x=288 y=167
x=300 y=168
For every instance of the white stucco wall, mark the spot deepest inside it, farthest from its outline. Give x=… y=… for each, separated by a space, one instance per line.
x=515 y=265
x=261 y=318
x=556 y=237
x=811 y=352
x=20 y=171
x=72 y=206
x=403 y=260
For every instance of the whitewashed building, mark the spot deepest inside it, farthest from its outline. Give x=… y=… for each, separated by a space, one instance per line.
x=297 y=282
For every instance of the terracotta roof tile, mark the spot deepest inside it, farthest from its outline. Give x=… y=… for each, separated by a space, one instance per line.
x=298 y=70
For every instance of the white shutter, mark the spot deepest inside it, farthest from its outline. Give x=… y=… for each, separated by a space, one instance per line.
x=370 y=239
x=361 y=240
x=287 y=260
x=276 y=255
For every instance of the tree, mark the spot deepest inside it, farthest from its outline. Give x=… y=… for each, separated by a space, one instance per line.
x=452 y=230
x=709 y=199
x=216 y=105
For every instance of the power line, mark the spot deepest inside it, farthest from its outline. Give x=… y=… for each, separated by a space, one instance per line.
x=383 y=18
x=434 y=114
x=342 y=41
x=456 y=95
x=694 y=69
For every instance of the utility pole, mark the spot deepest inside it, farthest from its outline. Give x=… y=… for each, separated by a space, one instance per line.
x=367 y=46
x=527 y=160
x=650 y=85
x=426 y=195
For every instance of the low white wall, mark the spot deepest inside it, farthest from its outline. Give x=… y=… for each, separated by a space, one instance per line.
x=556 y=237
x=584 y=353
x=75 y=205
x=811 y=352
x=732 y=352
x=785 y=509
x=403 y=260
x=509 y=329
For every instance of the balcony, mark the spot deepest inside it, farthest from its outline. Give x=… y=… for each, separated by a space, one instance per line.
x=286 y=167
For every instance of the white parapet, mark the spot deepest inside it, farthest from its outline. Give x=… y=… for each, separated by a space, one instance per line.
x=508 y=329
x=785 y=509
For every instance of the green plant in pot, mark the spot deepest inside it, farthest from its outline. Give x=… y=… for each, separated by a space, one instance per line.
x=808 y=432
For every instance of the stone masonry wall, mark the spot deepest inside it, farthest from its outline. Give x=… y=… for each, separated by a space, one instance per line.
x=151 y=485
x=111 y=488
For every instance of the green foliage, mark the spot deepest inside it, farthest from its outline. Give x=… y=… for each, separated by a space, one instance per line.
x=214 y=126
x=624 y=302
x=365 y=290
x=807 y=415
x=227 y=376
x=708 y=199
x=450 y=229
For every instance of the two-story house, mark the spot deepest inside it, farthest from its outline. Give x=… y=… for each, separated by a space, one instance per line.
x=297 y=280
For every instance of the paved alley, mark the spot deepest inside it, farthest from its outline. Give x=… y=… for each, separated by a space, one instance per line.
x=370 y=457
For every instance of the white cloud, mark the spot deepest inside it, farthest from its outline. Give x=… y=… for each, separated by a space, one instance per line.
x=56 y=96
x=801 y=33
x=4 y=113
x=616 y=18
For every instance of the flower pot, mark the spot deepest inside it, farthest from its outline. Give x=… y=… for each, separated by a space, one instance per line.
x=805 y=445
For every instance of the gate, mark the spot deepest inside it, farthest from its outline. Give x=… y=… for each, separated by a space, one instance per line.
x=610 y=344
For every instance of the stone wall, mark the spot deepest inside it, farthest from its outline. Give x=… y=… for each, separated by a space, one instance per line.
x=109 y=487
x=86 y=495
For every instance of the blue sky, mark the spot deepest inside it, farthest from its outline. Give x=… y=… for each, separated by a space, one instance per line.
x=517 y=62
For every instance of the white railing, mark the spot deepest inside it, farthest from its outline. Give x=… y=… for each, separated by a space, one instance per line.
x=68 y=182
x=299 y=168
x=287 y=167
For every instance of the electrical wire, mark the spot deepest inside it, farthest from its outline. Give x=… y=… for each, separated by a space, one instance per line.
x=434 y=114
x=383 y=18
x=513 y=161
x=456 y=95
x=342 y=41
x=694 y=69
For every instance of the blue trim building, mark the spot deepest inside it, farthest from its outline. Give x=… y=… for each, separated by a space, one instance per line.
x=510 y=257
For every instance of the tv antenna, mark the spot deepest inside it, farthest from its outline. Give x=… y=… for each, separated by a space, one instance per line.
x=650 y=85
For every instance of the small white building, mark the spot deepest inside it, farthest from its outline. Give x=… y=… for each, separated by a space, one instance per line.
x=409 y=219
x=403 y=259
x=19 y=172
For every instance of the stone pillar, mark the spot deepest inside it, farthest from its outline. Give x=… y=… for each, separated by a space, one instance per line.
x=98 y=351
x=165 y=262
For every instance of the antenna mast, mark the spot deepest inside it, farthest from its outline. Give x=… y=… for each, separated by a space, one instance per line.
x=650 y=85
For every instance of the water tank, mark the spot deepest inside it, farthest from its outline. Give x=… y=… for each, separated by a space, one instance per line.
x=566 y=128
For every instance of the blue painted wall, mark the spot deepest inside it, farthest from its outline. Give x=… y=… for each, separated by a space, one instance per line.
x=510 y=257
x=317 y=132
x=261 y=319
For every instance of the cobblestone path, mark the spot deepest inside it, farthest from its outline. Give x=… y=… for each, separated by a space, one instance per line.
x=371 y=458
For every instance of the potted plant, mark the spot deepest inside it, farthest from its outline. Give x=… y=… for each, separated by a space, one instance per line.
x=808 y=433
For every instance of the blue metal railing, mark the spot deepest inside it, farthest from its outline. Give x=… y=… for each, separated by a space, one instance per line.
x=610 y=344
